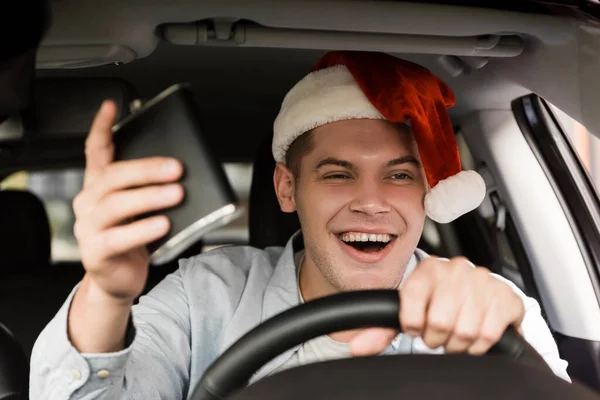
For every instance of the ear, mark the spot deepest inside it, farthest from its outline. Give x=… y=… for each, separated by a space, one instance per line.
x=284 y=183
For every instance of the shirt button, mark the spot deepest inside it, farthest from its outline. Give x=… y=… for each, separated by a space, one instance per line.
x=76 y=374
x=103 y=374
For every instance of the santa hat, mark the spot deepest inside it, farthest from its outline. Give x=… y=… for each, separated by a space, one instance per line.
x=366 y=85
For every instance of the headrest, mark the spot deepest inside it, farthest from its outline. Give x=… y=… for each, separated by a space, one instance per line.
x=269 y=226
x=25 y=233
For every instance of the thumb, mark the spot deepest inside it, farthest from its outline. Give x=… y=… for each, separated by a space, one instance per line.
x=99 y=149
x=372 y=341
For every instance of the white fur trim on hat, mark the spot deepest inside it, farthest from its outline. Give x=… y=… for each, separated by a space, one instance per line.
x=322 y=97
x=455 y=196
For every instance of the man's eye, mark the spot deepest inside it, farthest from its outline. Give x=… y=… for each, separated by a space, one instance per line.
x=400 y=176
x=336 y=176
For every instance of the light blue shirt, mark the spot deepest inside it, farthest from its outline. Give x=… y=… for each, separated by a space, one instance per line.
x=192 y=316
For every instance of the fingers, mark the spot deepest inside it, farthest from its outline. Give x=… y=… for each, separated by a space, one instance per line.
x=502 y=312
x=121 y=239
x=126 y=174
x=414 y=299
x=492 y=328
x=125 y=204
x=372 y=341
x=454 y=305
x=467 y=327
x=96 y=231
x=99 y=148
x=444 y=309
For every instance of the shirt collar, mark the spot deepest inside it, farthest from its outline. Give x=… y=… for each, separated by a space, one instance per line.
x=282 y=290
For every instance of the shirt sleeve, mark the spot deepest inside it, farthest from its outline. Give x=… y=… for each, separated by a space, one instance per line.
x=537 y=333
x=154 y=365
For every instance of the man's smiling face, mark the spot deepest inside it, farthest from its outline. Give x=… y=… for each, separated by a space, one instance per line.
x=359 y=197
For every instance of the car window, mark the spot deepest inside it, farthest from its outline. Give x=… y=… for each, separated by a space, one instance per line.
x=57 y=189
x=585 y=144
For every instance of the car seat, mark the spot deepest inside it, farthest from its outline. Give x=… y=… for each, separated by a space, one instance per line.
x=31 y=288
x=268 y=225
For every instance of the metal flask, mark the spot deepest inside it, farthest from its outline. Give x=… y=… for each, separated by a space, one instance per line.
x=169 y=125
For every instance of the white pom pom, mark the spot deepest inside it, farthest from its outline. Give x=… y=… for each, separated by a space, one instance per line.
x=455 y=196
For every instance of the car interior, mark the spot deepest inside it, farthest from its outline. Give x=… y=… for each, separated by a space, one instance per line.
x=513 y=69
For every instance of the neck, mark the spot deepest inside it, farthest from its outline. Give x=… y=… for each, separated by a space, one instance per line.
x=314 y=285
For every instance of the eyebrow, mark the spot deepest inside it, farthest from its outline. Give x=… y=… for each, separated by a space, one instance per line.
x=404 y=160
x=334 y=161
x=347 y=164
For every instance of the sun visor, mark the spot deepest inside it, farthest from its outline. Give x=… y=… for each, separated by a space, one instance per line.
x=65 y=108
x=30 y=21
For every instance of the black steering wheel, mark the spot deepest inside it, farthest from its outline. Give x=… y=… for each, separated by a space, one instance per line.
x=346 y=311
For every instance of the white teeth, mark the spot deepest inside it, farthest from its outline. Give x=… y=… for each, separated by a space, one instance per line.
x=365 y=237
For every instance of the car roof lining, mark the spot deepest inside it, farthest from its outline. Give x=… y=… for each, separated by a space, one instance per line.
x=134 y=23
x=240 y=89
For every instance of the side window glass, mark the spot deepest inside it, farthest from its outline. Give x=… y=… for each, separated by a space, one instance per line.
x=586 y=145
x=56 y=189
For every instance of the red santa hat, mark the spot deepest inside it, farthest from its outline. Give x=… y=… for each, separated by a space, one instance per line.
x=367 y=85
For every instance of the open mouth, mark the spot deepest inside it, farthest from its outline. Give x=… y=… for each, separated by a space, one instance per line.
x=367 y=242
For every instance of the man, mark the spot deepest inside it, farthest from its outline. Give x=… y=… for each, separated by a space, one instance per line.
x=365 y=151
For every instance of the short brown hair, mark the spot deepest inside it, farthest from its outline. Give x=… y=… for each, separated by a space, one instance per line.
x=300 y=147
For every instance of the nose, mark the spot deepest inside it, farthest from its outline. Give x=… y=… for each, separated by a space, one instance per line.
x=370 y=198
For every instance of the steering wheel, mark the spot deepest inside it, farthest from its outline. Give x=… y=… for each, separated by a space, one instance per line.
x=346 y=311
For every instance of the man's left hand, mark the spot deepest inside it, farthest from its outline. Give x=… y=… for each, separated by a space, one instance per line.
x=449 y=304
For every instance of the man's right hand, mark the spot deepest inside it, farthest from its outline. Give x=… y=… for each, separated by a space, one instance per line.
x=112 y=247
